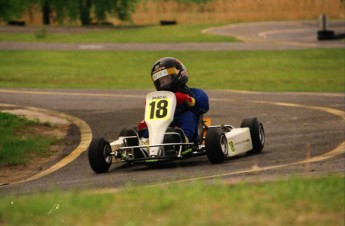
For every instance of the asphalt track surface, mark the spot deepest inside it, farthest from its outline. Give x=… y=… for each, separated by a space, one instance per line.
x=304 y=136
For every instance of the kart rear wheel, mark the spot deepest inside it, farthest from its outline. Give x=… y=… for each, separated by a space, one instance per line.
x=216 y=145
x=257 y=134
x=99 y=155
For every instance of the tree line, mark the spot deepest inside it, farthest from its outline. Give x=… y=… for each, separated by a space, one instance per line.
x=86 y=11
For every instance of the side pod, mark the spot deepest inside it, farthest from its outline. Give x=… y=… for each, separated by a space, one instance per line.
x=239 y=141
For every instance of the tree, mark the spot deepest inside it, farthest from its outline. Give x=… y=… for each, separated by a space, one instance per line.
x=87 y=11
x=12 y=9
x=122 y=9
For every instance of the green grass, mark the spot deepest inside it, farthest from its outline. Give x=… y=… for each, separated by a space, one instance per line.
x=20 y=140
x=295 y=70
x=179 y=33
x=297 y=201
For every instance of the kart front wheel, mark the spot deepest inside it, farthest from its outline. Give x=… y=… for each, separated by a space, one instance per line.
x=257 y=134
x=216 y=145
x=99 y=155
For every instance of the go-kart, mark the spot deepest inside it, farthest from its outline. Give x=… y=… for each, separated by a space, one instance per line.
x=217 y=142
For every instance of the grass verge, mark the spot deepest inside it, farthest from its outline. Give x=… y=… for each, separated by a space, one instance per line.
x=21 y=140
x=294 y=202
x=298 y=70
x=148 y=34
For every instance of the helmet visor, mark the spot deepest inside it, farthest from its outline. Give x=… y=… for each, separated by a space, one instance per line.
x=163 y=79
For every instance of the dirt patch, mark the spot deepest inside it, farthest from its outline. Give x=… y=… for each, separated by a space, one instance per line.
x=65 y=134
x=68 y=138
x=39 y=116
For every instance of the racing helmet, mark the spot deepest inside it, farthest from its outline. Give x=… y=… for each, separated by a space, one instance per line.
x=169 y=74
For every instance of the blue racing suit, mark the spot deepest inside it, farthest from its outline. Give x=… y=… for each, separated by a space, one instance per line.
x=187 y=117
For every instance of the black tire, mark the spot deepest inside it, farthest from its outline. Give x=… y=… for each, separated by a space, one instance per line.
x=325 y=35
x=257 y=134
x=132 y=142
x=99 y=155
x=128 y=132
x=216 y=146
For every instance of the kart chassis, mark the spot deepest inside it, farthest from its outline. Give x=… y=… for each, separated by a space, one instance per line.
x=218 y=142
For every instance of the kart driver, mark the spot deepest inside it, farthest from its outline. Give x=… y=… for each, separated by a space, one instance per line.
x=191 y=103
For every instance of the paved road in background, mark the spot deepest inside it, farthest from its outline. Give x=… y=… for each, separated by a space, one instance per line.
x=293 y=121
x=255 y=36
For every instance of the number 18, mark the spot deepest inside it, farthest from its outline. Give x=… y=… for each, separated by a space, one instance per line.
x=159 y=109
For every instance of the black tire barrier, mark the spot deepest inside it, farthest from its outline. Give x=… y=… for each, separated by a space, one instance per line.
x=325 y=35
x=16 y=23
x=168 y=22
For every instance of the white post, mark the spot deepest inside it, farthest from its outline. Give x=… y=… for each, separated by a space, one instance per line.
x=323 y=22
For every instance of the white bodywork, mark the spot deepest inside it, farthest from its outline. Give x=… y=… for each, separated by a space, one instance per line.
x=239 y=141
x=159 y=113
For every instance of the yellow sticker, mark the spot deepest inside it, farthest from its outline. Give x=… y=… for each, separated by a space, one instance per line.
x=232 y=146
x=157 y=109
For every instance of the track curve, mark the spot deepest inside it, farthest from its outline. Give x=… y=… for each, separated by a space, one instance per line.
x=293 y=123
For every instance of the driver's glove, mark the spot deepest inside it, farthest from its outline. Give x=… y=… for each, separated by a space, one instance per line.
x=182 y=98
